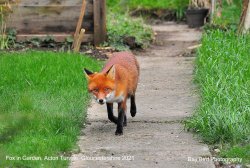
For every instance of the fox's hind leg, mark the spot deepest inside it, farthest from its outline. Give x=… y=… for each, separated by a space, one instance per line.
x=111 y=116
x=132 y=106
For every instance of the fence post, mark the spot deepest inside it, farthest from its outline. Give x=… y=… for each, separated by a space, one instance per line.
x=100 y=32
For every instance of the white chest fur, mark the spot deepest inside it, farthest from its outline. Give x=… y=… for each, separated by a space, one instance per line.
x=110 y=98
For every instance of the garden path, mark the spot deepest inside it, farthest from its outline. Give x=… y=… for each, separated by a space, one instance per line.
x=166 y=95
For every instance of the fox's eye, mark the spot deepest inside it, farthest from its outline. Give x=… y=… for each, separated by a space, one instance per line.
x=107 y=89
x=95 y=90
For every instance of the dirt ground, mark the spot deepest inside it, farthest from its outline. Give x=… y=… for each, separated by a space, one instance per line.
x=165 y=97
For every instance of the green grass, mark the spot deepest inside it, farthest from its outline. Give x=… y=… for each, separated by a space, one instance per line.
x=43 y=101
x=121 y=6
x=148 y=4
x=230 y=14
x=237 y=152
x=223 y=75
x=122 y=25
x=177 y=6
x=158 y=4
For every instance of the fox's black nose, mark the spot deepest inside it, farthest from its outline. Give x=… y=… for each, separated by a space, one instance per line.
x=101 y=100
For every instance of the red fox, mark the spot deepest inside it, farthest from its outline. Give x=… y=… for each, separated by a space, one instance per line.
x=115 y=84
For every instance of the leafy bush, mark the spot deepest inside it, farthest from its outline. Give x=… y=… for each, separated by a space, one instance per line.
x=122 y=25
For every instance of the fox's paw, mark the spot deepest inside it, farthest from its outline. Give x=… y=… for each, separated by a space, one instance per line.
x=118 y=132
x=133 y=112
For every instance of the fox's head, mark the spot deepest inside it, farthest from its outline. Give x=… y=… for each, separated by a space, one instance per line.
x=101 y=85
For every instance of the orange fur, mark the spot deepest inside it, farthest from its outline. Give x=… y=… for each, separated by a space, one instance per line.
x=126 y=72
x=125 y=80
x=116 y=83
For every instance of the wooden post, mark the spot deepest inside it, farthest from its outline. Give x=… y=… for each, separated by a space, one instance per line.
x=79 y=41
x=100 y=32
x=79 y=24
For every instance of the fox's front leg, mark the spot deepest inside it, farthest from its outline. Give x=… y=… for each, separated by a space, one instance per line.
x=132 y=106
x=111 y=116
x=125 y=120
x=121 y=114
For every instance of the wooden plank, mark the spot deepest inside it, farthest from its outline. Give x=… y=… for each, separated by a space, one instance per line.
x=79 y=40
x=40 y=18
x=100 y=32
x=51 y=10
x=57 y=37
x=53 y=2
x=60 y=26
x=26 y=19
x=79 y=24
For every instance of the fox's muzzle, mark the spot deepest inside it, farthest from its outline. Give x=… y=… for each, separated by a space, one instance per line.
x=101 y=101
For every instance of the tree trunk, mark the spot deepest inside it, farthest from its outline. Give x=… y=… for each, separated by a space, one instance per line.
x=245 y=17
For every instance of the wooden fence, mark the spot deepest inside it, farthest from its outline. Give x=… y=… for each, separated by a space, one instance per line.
x=58 y=18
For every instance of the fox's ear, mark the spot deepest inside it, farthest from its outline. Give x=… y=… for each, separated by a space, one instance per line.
x=111 y=72
x=87 y=73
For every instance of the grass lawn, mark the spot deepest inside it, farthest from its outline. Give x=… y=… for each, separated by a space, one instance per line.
x=43 y=101
x=223 y=75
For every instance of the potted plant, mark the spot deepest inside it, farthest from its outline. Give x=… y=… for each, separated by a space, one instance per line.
x=197 y=12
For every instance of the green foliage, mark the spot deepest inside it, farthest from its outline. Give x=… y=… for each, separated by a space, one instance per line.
x=115 y=6
x=158 y=4
x=12 y=36
x=230 y=14
x=122 y=25
x=121 y=6
x=48 y=42
x=43 y=100
x=223 y=73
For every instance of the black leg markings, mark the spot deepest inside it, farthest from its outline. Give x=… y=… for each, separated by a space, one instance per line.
x=132 y=106
x=111 y=116
x=125 y=120
x=121 y=112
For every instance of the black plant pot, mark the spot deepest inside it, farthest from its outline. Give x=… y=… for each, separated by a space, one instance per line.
x=196 y=17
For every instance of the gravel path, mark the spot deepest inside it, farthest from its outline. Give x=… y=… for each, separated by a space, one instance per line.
x=155 y=137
